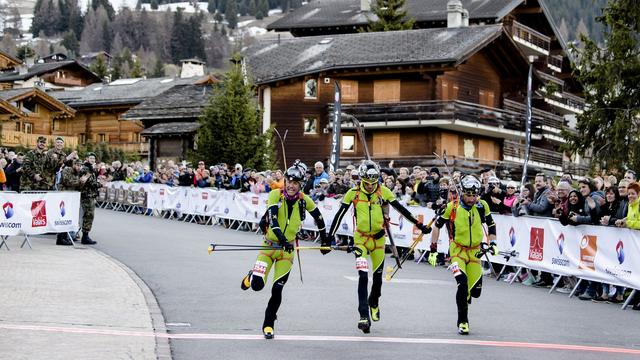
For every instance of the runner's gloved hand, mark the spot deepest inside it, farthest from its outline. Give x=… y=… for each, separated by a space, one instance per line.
x=325 y=241
x=433 y=254
x=287 y=246
x=493 y=248
x=356 y=250
x=423 y=228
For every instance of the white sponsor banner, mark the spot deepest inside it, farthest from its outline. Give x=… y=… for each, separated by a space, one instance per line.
x=598 y=253
x=39 y=213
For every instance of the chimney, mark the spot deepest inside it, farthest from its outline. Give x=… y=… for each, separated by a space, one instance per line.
x=465 y=17
x=454 y=14
x=191 y=67
x=365 y=5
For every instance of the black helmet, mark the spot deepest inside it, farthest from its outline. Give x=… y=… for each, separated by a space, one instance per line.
x=369 y=172
x=470 y=185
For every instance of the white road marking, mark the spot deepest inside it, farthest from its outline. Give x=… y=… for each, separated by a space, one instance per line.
x=410 y=281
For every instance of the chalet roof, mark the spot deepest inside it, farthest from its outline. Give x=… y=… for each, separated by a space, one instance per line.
x=180 y=102
x=173 y=128
x=14 y=95
x=119 y=92
x=10 y=58
x=325 y=13
x=272 y=61
x=43 y=68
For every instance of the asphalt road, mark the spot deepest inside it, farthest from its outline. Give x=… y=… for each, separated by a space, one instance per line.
x=209 y=316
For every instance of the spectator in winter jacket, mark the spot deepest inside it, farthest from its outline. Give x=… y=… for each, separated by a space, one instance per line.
x=592 y=200
x=632 y=221
x=540 y=205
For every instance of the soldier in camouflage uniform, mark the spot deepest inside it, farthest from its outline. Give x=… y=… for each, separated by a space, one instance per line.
x=59 y=159
x=37 y=168
x=88 y=194
x=70 y=180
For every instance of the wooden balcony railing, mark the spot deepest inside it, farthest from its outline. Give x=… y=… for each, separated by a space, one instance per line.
x=528 y=36
x=555 y=62
x=566 y=101
x=546 y=158
x=540 y=117
x=424 y=111
x=17 y=138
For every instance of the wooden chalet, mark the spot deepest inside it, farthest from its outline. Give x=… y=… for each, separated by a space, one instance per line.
x=29 y=113
x=170 y=120
x=8 y=62
x=57 y=74
x=99 y=108
x=457 y=85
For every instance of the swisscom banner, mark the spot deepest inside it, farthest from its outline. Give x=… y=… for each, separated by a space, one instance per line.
x=39 y=213
x=599 y=253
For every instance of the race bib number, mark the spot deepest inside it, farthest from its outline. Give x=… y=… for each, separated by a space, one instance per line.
x=455 y=269
x=362 y=264
x=260 y=268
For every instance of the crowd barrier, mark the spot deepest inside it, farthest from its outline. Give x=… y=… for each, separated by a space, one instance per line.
x=605 y=254
x=38 y=213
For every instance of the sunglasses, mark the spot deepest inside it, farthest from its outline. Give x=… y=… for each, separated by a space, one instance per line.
x=510 y=187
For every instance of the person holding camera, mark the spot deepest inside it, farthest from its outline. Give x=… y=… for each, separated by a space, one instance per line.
x=494 y=196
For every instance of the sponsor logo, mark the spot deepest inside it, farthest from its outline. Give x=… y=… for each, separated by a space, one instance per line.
x=205 y=196
x=38 y=213
x=226 y=210
x=588 y=251
x=255 y=200
x=620 y=251
x=63 y=211
x=178 y=206
x=345 y=226
x=327 y=207
x=512 y=237
x=536 y=244
x=8 y=210
x=560 y=260
x=400 y=222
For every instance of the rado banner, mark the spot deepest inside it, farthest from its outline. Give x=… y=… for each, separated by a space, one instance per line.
x=334 y=159
x=39 y=213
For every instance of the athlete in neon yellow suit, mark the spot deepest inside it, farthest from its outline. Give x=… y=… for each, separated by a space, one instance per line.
x=465 y=221
x=369 y=200
x=286 y=209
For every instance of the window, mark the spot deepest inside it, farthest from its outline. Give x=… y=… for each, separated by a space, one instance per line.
x=311 y=89
x=448 y=90
x=82 y=137
x=102 y=137
x=18 y=126
x=56 y=125
x=486 y=98
x=348 y=143
x=310 y=125
x=386 y=91
x=28 y=128
x=349 y=91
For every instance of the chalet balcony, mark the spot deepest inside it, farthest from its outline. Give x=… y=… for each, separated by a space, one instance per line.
x=566 y=103
x=546 y=159
x=532 y=42
x=554 y=62
x=550 y=124
x=17 y=138
x=141 y=148
x=454 y=115
x=575 y=169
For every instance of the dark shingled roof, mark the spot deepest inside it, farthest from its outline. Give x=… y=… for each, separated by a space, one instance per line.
x=119 y=92
x=11 y=93
x=39 y=69
x=271 y=61
x=325 y=13
x=179 y=102
x=173 y=128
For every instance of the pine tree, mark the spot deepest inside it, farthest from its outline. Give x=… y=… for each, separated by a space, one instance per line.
x=136 y=71
x=25 y=51
x=154 y=4
x=263 y=7
x=609 y=127
x=231 y=126
x=391 y=16
x=99 y=67
x=212 y=6
x=158 y=69
x=71 y=43
x=231 y=14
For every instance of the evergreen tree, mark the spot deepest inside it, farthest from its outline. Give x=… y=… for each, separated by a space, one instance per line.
x=154 y=4
x=158 y=69
x=25 y=51
x=136 y=71
x=212 y=6
x=253 y=8
x=99 y=67
x=231 y=126
x=391 y=16
x=71 y=43
x=608 y=128
x=231 y=14
x=263 y=7
x=76 y=20
x=106 y=5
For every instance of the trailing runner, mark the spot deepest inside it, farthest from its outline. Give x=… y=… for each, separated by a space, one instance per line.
x=466 y=220
x=286 y=209
x=370 y=200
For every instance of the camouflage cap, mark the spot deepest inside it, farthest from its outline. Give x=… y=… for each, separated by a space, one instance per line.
x=60 y=138
x=77 y=162
x=91 y=154
x=42 y=139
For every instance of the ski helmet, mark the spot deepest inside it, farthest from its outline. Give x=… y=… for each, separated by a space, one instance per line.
x=369 y=172
x=470 y=185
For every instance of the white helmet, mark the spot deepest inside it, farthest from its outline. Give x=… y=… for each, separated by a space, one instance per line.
x=470 y=185
x=369 y=172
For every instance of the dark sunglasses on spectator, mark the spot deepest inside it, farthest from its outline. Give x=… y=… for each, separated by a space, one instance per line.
x=510 y=187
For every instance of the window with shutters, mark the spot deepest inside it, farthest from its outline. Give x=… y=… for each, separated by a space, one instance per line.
x=386 y=144
x=386 y=91
x=349 y=91
x=449 y=90
x=487 y=98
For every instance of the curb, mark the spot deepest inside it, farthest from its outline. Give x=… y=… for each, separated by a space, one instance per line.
x=163 y=348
